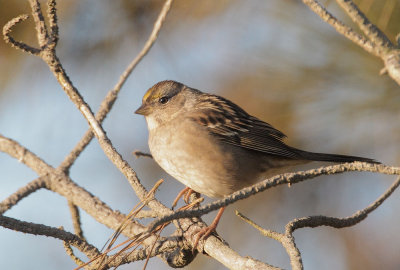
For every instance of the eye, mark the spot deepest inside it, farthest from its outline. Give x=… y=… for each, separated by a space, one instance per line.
x=163 y=100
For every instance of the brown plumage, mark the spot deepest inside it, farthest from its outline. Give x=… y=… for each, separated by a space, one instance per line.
x=212 y=145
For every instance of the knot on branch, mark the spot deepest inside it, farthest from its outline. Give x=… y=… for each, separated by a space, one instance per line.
x=180 y=257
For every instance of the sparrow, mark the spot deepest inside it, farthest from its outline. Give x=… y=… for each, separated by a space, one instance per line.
x=212 y=145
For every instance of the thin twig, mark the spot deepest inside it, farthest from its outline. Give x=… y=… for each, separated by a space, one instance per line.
x=357 y=217
x=287 y=239
x=373 y=33
x=22 y=193
x=41 y=29
x=139 y=154
x=71 y=254
x=268 y=233
x=76 y=219
x=343 y=29
x=7 y=29
x=376 y=43
x=52 y=14
x=287 y=242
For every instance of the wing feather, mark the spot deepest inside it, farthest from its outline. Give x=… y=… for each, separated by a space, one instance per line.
x=233 y=125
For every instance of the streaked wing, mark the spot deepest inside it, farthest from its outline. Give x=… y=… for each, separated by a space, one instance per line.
x=233 y=125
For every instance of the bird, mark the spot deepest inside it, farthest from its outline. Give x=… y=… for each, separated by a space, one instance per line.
x=213 y=146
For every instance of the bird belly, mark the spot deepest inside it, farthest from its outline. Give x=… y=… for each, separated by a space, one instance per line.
x=194 y=162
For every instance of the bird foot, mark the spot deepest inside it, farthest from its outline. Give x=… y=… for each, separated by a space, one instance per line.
x=205 y=232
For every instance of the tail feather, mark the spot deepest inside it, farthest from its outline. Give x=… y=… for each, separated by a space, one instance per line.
x=334 y=158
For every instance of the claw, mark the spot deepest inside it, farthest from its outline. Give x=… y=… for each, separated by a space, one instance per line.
x=180 y=194
x=205 y=232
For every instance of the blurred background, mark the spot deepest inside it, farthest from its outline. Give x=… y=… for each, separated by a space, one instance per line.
x=276 y=59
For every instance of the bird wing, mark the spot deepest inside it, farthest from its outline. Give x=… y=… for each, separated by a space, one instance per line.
x=233 y=125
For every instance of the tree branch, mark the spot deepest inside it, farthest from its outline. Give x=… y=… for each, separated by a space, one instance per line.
x=376 y=43
x=341 y=28
x=287 y=178
x=287 y=239
x=76 y=219
x=287 y=242
x=39 y=229
x=373 y=33
x=60 y=183
x=21 y=193
x=7 y=29
x=316 y=221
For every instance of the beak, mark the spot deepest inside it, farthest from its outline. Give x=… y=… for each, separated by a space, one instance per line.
x=143 y=110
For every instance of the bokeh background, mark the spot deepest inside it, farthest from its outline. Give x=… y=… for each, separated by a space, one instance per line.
x=275 y=58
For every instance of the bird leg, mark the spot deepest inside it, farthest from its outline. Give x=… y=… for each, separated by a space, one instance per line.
x=185 y=193
x=203 y=233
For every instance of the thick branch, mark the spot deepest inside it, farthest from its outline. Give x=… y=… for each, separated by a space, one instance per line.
x=23 y=155
x=63 y=185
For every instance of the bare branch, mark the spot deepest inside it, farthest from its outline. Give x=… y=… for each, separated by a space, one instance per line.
x=146 y=214
x=41 y=30
x=52 y=11
x=376 y=43
x=139 y=154
x=370 y=30
x=268 y=233
x=76 y=219
x=21 y=193
x=147 y=46
x=392 y=64
x=166 y=247
x=71 y=254
x=287 y=242
x=230 y=258
x=287 y=178
x=63 y=185
x=7 y=29
x=316 y=221
x=39 y=229
x=23 y=155
x=343 y=29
